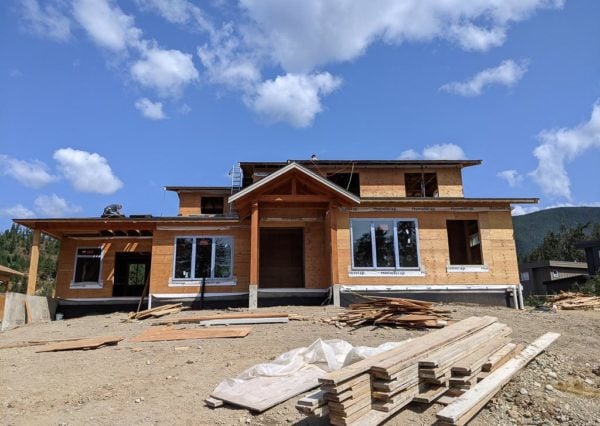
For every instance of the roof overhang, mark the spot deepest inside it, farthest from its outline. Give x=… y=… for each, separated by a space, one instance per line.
x=282 y=173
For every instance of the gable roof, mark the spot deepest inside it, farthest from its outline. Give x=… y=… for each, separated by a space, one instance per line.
x=289 y=168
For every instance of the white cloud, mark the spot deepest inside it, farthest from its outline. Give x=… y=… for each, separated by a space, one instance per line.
x=513 y=177
x=149 y=109
x=47 y=21
x=54 y=206
x=446 y=151
x=18 y=212
x=561 y=146
x=301 y=36
x=178 y=12
x=87 y=172
x=292 y=98
x=33 y=174
x=508 y=73
x=520 y=210
x=107 y=24
x=167 y=71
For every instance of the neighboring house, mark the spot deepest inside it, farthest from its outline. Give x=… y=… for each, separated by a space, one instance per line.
x=592 y=255
x=297 y=229
x=551 y=276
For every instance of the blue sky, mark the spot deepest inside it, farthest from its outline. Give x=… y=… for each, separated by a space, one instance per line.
x=107 y=101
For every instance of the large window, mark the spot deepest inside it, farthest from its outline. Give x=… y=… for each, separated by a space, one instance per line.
x=198 y=257
x=87 y=265
x=384 y=244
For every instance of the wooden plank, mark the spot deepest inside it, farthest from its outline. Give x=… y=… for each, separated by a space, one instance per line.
x=87 y=343
x=469 y=404
x=452 y=353
x=430 y=393
x=315 y=399
x=34 y=258
x=349 y=420
x=398 y=358
x=321 y=411
x=200 y=318
x=166 y=333
x=14 y=311
x=214 y=402
x=503 y=353
x=475 y=360
x=349 y=393
x=37 y=309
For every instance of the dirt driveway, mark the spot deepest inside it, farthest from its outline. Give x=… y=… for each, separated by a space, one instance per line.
x=166 y=382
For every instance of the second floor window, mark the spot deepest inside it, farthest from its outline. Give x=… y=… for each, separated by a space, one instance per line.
x=421 y=185
x=349 y=181
x=211 y=205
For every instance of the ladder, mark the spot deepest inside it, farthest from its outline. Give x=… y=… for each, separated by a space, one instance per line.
x=236 y=178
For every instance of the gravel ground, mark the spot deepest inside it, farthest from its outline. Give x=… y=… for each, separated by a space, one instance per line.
x=166 y=382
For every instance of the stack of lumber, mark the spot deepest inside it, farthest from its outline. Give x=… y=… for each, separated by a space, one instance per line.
x=443 y=364
x=574 y=301
x=394 y=311
x=159 y=311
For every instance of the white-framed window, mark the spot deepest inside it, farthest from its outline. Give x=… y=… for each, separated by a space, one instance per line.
x=554 y=273
x=385 y=244
x=524 y=276
x=88 y=267
x=199 y=257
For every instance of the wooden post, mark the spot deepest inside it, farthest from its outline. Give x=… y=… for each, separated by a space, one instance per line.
x=333 y=243
x=33 y=262
x=254 y=246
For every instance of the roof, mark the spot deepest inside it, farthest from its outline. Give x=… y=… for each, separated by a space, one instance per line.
x=553 y=264
x=376 y=163
x=587 y=244
x=449 y=199
x=5 y=270
x=177 y=188
x=289 y=168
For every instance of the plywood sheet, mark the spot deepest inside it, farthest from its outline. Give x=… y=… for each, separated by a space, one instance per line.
x=168 y=333
x=87 y=343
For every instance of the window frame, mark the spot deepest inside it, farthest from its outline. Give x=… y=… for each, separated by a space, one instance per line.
x=397 y=266
x=193 y=278
x=88 y=284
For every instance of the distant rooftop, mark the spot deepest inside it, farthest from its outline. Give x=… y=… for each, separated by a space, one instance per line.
x=377 y=163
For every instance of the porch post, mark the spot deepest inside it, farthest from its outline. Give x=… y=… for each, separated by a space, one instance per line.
x=254 y=257
x=33 y=262
x=333 y=250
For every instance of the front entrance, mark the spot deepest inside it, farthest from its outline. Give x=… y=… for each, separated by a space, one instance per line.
x=281 y=258
x=131 y=273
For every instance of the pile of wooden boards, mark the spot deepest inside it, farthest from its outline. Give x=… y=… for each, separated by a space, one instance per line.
x=394 y=311
x=159 y=311
x=442 y=365
x=574 y=301
x=229 y=319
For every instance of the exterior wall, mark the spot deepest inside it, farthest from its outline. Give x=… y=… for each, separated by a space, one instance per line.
x=163 y=249
x=497 y=242
x=390 y=182
x=190 y=202
x=66 y=265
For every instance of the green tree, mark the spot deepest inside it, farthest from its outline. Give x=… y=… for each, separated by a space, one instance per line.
x=561 y=245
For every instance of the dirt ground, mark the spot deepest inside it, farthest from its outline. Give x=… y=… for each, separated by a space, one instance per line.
x=167 y=382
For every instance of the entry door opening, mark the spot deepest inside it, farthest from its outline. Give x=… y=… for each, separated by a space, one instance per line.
x=281 y=258
x=131 y=273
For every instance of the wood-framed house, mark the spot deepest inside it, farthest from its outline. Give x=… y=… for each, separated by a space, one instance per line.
x=298 y=229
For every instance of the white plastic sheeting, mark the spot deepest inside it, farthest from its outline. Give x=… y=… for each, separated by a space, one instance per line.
x=265 y=385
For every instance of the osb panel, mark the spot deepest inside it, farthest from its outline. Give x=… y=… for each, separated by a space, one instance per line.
x=498 y=249
x=189 y=203
x=162 y=261
x=381 y=183
x=450 y=182
x=66 y=265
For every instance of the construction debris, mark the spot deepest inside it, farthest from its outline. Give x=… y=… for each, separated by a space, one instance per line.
x=85 y=344
x=159 y=311
x=168 y=333
x=574 y=301
x=473 y=358
x=394 y=311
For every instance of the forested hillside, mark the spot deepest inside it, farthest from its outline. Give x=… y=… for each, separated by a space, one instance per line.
x=15 y=244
